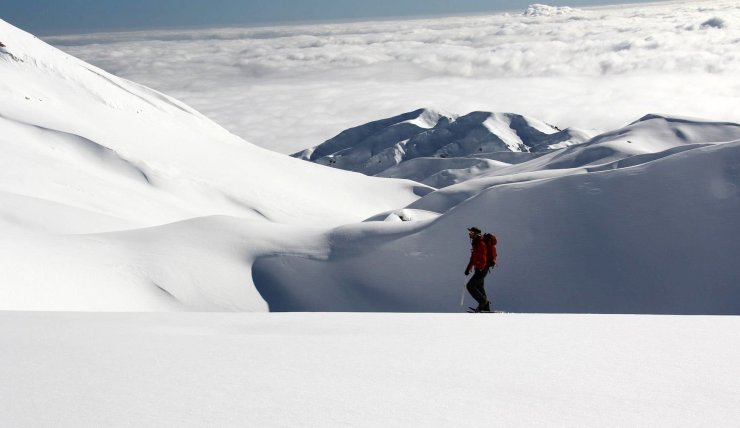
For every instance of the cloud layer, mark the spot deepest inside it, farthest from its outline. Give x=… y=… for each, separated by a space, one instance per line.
x=287 y=88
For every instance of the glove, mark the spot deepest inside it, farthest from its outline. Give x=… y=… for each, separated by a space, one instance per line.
x=467 y=272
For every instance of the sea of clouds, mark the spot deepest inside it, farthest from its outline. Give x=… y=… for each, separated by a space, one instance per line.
x=291 y=87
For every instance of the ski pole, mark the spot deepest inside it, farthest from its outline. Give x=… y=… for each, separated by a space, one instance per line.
x=462 y=298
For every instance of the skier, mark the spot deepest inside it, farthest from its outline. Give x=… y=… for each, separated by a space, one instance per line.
x=478 y=262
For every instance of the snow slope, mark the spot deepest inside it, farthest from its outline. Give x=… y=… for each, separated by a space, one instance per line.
x=654 y=238
x=650 y=138
x=86 y=153
x=649 y=135
x=367 y=370
x=103 y=135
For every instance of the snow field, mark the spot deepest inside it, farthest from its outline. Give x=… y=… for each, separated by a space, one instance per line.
x=396 y=370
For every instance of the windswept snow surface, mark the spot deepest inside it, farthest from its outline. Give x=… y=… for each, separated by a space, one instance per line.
x=367 y=370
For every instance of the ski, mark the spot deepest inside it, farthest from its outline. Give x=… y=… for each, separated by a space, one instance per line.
x=473 y=311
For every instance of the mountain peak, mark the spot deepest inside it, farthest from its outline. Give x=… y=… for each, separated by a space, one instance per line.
x=376 y=146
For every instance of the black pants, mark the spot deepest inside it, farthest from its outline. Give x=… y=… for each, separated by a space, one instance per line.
x=475 y=287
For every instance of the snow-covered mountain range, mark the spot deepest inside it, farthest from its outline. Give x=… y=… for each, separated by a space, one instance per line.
x=116 y=197
x=432 y=146
x=441 y=150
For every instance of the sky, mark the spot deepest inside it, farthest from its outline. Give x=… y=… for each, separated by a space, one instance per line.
x=50 y=17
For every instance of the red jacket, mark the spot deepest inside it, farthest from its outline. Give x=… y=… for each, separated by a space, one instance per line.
x=478 y=254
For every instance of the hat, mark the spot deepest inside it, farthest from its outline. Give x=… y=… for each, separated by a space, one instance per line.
x=474 y=230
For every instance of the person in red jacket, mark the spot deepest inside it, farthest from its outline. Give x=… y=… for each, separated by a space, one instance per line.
x=479 y=263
